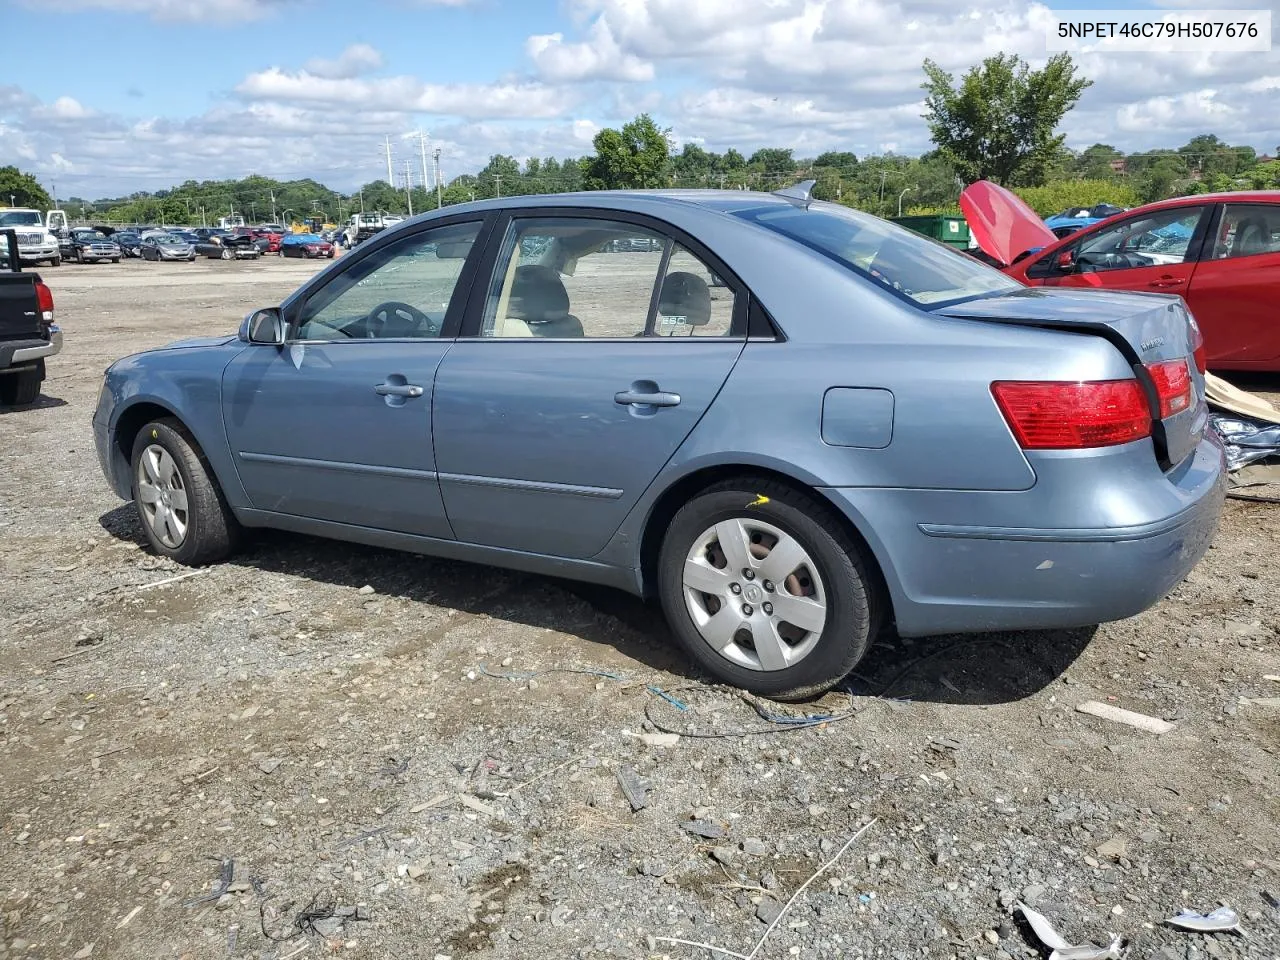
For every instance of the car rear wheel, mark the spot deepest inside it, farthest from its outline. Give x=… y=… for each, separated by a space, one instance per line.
x=182 y=510
x=55 y=262
x=21 y=388
x=765 y=590
x=227 y=254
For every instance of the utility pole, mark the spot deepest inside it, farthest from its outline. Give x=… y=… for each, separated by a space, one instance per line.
x=883 y=174
x=408 y=186
x=439 y=185
x=390 y=179
x=273 y=206
x=253 y=211
x=362 y=199
x=422 y=146
x=497 y=184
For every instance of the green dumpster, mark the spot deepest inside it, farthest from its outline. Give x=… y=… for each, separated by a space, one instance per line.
x=951 y=230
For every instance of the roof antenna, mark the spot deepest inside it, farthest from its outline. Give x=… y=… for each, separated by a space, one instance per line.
x=801 y=195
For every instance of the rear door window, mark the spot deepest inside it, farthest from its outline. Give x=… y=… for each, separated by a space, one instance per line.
x=1247 y=230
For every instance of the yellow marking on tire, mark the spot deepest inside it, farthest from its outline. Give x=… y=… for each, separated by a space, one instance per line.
x=759 y=501
x=155 y=434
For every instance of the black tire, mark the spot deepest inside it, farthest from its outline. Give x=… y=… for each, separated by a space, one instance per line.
x=21 y=388
x=55 y=262
x=212 y=530
x=227 y=254
x=115 y=259
x=852 y=607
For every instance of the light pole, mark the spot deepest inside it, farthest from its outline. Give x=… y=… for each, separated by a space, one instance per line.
x=900 y=196
x=253 y=211
x=285 y=216
x=439 y=185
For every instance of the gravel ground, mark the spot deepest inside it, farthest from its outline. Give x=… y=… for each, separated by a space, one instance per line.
x=305 y=750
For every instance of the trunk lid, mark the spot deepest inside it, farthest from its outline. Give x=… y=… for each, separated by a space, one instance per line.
x=1001 y=222
x=1146 y=328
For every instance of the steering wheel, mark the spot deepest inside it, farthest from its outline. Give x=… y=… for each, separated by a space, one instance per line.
x=413 y=321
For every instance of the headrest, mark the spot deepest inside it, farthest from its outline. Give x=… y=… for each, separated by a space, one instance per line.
x=685 y=298
x=538 y=295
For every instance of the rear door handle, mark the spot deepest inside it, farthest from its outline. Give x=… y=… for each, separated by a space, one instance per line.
x=398 y=390
x=659 y=399
x=1167 y=282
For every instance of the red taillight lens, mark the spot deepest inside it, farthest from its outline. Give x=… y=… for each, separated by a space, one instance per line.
x=1051 y=415
x=1173 y=386
x=1198 y=351
x=44 y=297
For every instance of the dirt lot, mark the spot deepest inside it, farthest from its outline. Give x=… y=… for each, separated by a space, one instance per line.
x=317 y=725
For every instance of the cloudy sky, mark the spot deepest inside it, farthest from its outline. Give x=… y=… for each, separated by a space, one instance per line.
x=109 y=96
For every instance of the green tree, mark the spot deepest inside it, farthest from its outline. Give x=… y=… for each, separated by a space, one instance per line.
x=500 y=177
x=22 y=190
x=999 y=123
x=840 y=159
x=637 y=156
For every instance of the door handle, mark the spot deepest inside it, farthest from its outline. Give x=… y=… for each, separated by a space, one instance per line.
x=659 y=398
x=1167 y=282
x=398 y=390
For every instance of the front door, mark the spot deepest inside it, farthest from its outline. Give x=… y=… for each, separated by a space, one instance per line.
x=1235 y=294
x=595 y=350
x=336 y=424
x=1151 y=253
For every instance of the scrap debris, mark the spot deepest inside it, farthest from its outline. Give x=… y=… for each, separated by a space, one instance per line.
x=1222 y=920
x=1061 y=950
x=226 y=873
x=633 y=788
x=1106 y=711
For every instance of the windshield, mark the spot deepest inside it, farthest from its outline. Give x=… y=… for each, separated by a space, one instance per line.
x=928 y=273
x=303 y=238
x=89 y=235
x=19 y=218
x=169 y=240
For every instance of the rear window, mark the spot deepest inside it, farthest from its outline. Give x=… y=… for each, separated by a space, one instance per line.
x=927 y=273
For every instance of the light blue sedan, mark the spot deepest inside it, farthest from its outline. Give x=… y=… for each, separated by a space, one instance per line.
x=791 y=422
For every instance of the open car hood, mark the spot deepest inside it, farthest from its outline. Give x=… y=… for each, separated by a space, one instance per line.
x=1001 y=222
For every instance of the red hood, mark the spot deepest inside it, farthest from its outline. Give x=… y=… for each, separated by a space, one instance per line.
x=1001 y=222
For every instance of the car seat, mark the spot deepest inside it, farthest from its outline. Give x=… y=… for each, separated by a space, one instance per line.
x=685 y=300
x=539 y=298
x=1252 y=237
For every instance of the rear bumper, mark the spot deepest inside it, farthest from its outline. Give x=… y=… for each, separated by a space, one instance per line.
x=19 y=352
x=966 y=577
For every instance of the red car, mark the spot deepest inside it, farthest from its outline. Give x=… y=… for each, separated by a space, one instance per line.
x=1220 y=251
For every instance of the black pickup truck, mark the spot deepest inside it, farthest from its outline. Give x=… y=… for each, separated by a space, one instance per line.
x=27 y=331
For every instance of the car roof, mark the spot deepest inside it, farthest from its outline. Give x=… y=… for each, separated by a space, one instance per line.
x=1238 y=196
x=636 y=201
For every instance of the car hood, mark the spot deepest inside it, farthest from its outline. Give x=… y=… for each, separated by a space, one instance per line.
x=1001 y=222
x=196 y=342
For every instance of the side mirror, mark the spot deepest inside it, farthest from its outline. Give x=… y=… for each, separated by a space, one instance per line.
x=264 y=326
x=1065 y=261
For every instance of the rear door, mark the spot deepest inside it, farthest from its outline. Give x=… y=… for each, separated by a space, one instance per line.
x=1235 y=292
x=593 y=349
x=1152 y=252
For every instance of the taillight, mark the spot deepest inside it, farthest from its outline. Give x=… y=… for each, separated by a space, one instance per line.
x=1173 y=386
x=1198 y=351
x=1073 y=415
x=44 y=296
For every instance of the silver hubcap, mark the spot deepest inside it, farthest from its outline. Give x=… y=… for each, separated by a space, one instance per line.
x=754 y=594
x=162 y=497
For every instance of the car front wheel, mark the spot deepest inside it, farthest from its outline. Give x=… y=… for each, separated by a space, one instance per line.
x=765 y=589
x=182 y=510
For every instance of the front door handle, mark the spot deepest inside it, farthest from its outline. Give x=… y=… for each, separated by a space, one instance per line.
x=658 y=398
x=398 y=390
x=1167 y=282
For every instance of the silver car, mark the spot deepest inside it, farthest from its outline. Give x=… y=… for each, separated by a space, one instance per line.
x=165 y=246
x=790 y=422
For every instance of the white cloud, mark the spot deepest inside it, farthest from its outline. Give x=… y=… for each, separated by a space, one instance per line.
x=357 y=59
x=190 y=11
x=405 y=94
x=596 y=58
